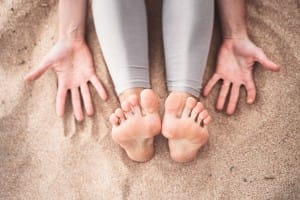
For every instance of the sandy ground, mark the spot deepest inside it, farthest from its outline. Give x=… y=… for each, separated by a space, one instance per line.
x=254 y=154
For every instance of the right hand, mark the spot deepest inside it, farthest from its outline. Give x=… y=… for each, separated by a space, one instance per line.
x=73 y=64
x=235 y=63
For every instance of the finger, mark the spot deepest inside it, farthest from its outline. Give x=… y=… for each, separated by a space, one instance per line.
x=76 y=103
x=251 y=91
x=214 y=79
x=100 y=89
x=60 y=101
x=36 y=73
x=265 y=61
x=223 y=94
x=87 y=101
x=234 y=96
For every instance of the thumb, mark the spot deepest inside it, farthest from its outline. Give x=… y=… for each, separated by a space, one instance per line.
x=36 y=73
x=266 y=62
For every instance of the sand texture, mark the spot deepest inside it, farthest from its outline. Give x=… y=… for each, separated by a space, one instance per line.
x=254 y=154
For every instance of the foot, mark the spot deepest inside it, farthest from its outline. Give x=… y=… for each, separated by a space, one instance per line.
x=185 y=125
x=135 y=124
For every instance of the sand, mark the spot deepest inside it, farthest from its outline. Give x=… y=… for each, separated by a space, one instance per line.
x=254 y=154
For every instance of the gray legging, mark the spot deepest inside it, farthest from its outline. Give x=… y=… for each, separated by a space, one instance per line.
x=121 y=27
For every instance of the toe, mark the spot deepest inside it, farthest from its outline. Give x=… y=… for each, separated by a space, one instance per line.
x=207 y=120
x=133 y=100
x=134 y=104
x=126 y=107
x=114 y=120
x=203 y=115
x=120 y=114
x=196 y=110
x=149 y=101
x=189 y=105
x=174 y=104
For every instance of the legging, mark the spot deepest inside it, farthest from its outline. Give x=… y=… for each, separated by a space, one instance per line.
x=121 y=26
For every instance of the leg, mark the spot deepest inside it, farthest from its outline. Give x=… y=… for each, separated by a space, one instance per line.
x=187 y=30
x=122 y=31
x=121 y=27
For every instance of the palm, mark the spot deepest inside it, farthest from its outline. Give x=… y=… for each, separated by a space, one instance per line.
x=234 y=66
x=73 y=65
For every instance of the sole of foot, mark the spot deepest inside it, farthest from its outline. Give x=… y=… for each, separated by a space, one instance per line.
x=185 y=125
x=136 y=123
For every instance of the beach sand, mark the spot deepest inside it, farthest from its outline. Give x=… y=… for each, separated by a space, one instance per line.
x=254 y=154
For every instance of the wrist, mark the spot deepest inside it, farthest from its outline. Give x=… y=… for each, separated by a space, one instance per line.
x=241 y=35
x=72 y=34
x=231 y=42
x=234 y=44
x=71 y=42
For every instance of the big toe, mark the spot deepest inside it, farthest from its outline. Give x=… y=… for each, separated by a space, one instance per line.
x=174 y=104
x=149 y=101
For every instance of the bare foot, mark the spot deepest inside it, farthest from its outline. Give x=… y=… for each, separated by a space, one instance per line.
x=185 y=125
x=136 y=124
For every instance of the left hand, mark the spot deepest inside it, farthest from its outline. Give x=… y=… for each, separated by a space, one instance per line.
x=234 y=66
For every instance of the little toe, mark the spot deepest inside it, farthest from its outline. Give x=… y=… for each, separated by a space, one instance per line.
x=196 y=110
x=120 y=114
x=114 y=120
x=189 y=105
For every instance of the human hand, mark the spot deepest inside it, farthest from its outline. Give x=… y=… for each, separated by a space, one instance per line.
x=73 y=64
x=235 y=63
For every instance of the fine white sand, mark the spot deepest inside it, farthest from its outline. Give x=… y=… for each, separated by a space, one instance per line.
x=254 y=154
